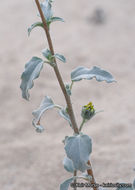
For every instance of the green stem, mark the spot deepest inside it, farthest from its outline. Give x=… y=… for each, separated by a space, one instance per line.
x=71 y=85
x=83 y=121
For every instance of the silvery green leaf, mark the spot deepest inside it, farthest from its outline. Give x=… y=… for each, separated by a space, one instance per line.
x=40 y=24
x=47 y=54
x=46 y=104
x=65 y=115
x=68 y=165
x=65 y=184
x=53 y=19
x=60 y=57
x=47 y=9
x=78 y=149
x=84 y=73
x=32 y=71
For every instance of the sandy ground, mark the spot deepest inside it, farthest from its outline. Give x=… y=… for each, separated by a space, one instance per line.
x=31 y=161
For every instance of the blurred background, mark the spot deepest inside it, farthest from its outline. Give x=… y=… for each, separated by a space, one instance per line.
x=95 y=32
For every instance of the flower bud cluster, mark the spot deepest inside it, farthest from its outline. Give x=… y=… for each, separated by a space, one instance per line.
x=88 y=111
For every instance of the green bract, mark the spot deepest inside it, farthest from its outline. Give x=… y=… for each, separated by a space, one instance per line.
x=88 y=111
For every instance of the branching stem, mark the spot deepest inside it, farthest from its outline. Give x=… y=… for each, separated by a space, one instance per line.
x=58 y=75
